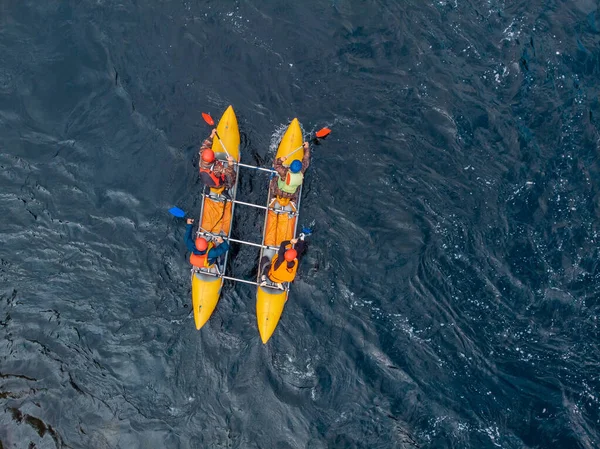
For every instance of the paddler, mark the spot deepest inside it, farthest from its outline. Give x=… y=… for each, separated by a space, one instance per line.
x=282 y=268
x=285 y=183
x=204 y=254
x=213 y=173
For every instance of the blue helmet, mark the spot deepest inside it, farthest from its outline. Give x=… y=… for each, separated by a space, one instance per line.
x=296 y=166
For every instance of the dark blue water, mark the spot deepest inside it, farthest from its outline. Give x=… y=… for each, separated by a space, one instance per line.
x=450 y=296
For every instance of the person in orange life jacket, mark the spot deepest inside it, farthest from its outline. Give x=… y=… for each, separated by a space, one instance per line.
x=212 y=171
x=204 y=254
x=286 y=184
x=284 y=264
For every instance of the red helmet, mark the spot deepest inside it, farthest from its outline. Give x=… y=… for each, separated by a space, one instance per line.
x=290 y=254
x=208 y=155
x=201 y=244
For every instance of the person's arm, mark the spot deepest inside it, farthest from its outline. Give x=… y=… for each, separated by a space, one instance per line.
x=300 y=247
x=208 y=141
x=219 y=250
x=189 y=242
x=229 y=170
x=306 y=158
x=282 y=249
x=281 y=253
x=207 y=144
x=218 y=168
x=279 y=168
x=230 y=176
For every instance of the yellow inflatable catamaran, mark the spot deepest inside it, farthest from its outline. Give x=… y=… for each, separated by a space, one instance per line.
x=216 y=212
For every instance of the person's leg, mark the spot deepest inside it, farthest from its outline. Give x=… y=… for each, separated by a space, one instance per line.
x=221 y=261
x=264 y=266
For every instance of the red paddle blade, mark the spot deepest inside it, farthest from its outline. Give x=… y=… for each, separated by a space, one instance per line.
x=323 y=132
x=208 y=119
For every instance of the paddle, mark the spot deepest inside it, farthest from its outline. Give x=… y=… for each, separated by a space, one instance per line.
x=175 y=211
x=208 y=119
x=320 y=134
x=306 y=231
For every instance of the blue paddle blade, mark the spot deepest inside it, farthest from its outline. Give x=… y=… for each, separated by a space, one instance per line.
x=177 y=212
x=306 y=231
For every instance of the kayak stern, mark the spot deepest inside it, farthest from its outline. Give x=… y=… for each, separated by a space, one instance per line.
x=269 y=307
x=205 y=296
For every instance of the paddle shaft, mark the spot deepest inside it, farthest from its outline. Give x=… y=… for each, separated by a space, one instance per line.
x=297 y=149
x=222 y=144
x=314 y=139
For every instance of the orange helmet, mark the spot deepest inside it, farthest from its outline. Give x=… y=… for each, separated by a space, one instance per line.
x=201 y=244
x=290 y=254
x=208 y=155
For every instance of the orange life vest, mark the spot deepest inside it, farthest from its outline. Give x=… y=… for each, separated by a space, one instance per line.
x=217 y=180
x=201 y=261
x=282 y=273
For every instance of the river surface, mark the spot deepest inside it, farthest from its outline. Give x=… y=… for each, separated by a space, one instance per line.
x=450 y=294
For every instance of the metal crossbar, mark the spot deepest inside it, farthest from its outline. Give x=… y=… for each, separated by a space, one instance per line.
x=229 y=239
x=250 y=204
x=276 y=210
x=239 y=280
x=245 y=281
x=270 y=170
x=243 y=242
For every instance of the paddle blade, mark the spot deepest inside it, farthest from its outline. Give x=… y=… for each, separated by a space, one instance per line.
x=177 y=212
x=323 y=133
x=208 y=119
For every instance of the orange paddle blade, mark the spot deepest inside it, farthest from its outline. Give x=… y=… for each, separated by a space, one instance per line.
x=208 y=119
x=323 y=132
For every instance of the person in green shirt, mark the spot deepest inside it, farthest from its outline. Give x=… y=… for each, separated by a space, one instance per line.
x=287 y=180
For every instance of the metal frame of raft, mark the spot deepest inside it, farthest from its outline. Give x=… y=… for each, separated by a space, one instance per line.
x=270 y=299
x=203 y=233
